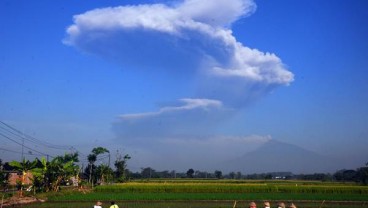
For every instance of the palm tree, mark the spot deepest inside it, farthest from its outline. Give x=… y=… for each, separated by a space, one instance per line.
x=99 y=150
x=92 y=158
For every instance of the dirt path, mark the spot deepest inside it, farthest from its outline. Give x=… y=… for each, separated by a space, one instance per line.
x=19 y=200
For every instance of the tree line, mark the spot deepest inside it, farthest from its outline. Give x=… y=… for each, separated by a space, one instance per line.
x=360 y=175
x=51 y=175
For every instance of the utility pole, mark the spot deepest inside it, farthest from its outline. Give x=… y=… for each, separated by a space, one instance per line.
x=22 y=147
x=109 y=159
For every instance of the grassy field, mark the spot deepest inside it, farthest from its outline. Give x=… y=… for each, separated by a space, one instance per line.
x=214 y=187
x=208 y=196
x=194 y=204
x=215 y=193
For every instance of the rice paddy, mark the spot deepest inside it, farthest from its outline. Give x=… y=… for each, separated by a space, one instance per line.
x=215 y=194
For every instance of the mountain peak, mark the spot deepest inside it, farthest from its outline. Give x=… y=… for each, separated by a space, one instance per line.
x=275 y=155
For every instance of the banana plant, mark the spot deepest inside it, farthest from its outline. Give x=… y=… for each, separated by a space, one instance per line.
x=24 y=167
x=39 y=176
x=61 y=168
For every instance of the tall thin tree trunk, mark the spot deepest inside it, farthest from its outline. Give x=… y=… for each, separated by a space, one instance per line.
x=90 y=173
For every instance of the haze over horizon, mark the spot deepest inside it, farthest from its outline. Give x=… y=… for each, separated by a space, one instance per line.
x=187 y=83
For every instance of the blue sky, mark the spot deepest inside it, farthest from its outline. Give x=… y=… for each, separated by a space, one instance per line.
x=164 y=78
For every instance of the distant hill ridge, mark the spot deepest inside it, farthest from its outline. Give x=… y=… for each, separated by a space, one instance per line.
x=279 y=156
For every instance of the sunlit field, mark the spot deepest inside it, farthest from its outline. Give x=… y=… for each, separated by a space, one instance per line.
x=193 y=204
x=215 y=194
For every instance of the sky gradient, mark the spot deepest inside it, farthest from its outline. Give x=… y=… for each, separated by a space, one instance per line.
x=192 y=80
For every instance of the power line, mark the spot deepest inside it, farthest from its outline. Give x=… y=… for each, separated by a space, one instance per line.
x=7 y=150
x=32 y=139
x=22 y=144
x=7 y=134
x=7 y=131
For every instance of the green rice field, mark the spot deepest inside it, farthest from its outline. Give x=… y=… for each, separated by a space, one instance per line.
x=193 y=204
x=214 y=194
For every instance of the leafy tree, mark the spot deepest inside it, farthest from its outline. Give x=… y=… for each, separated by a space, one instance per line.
x=136 y=175
x=100 y=150
x=218 y=174
x=173 y=174
x=232 y=175
x=104 y=172
x=60 y=169
x=200 y=174
x=164 y=174
x=345 y=175
x=24 y=167
x=362 y=175
x=268 y=176
x=148 y=172
x=39 y=176
x=88 y=170
x=120 y=165
x=4 y=176
x=238 y=175
x=92 y=158
x=190 y=173
x=48 y=175
x=316 y=176
x=69 y=157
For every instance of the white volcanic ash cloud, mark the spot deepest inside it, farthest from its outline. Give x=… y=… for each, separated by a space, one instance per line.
x=190 y=37
x=199 y=26
x=191 y=116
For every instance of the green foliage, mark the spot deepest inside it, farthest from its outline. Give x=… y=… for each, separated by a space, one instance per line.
x=148 y=172
x=105 y=173
x=48 y=176
x=120 y=165
x=23 y=167
x=39 y=176
x=190 y=173
x=362 y=175
x=60 y=169
x=4 y=176
x=218 y=174
x=68 y=157
x=99 y=150
x=92 y=158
